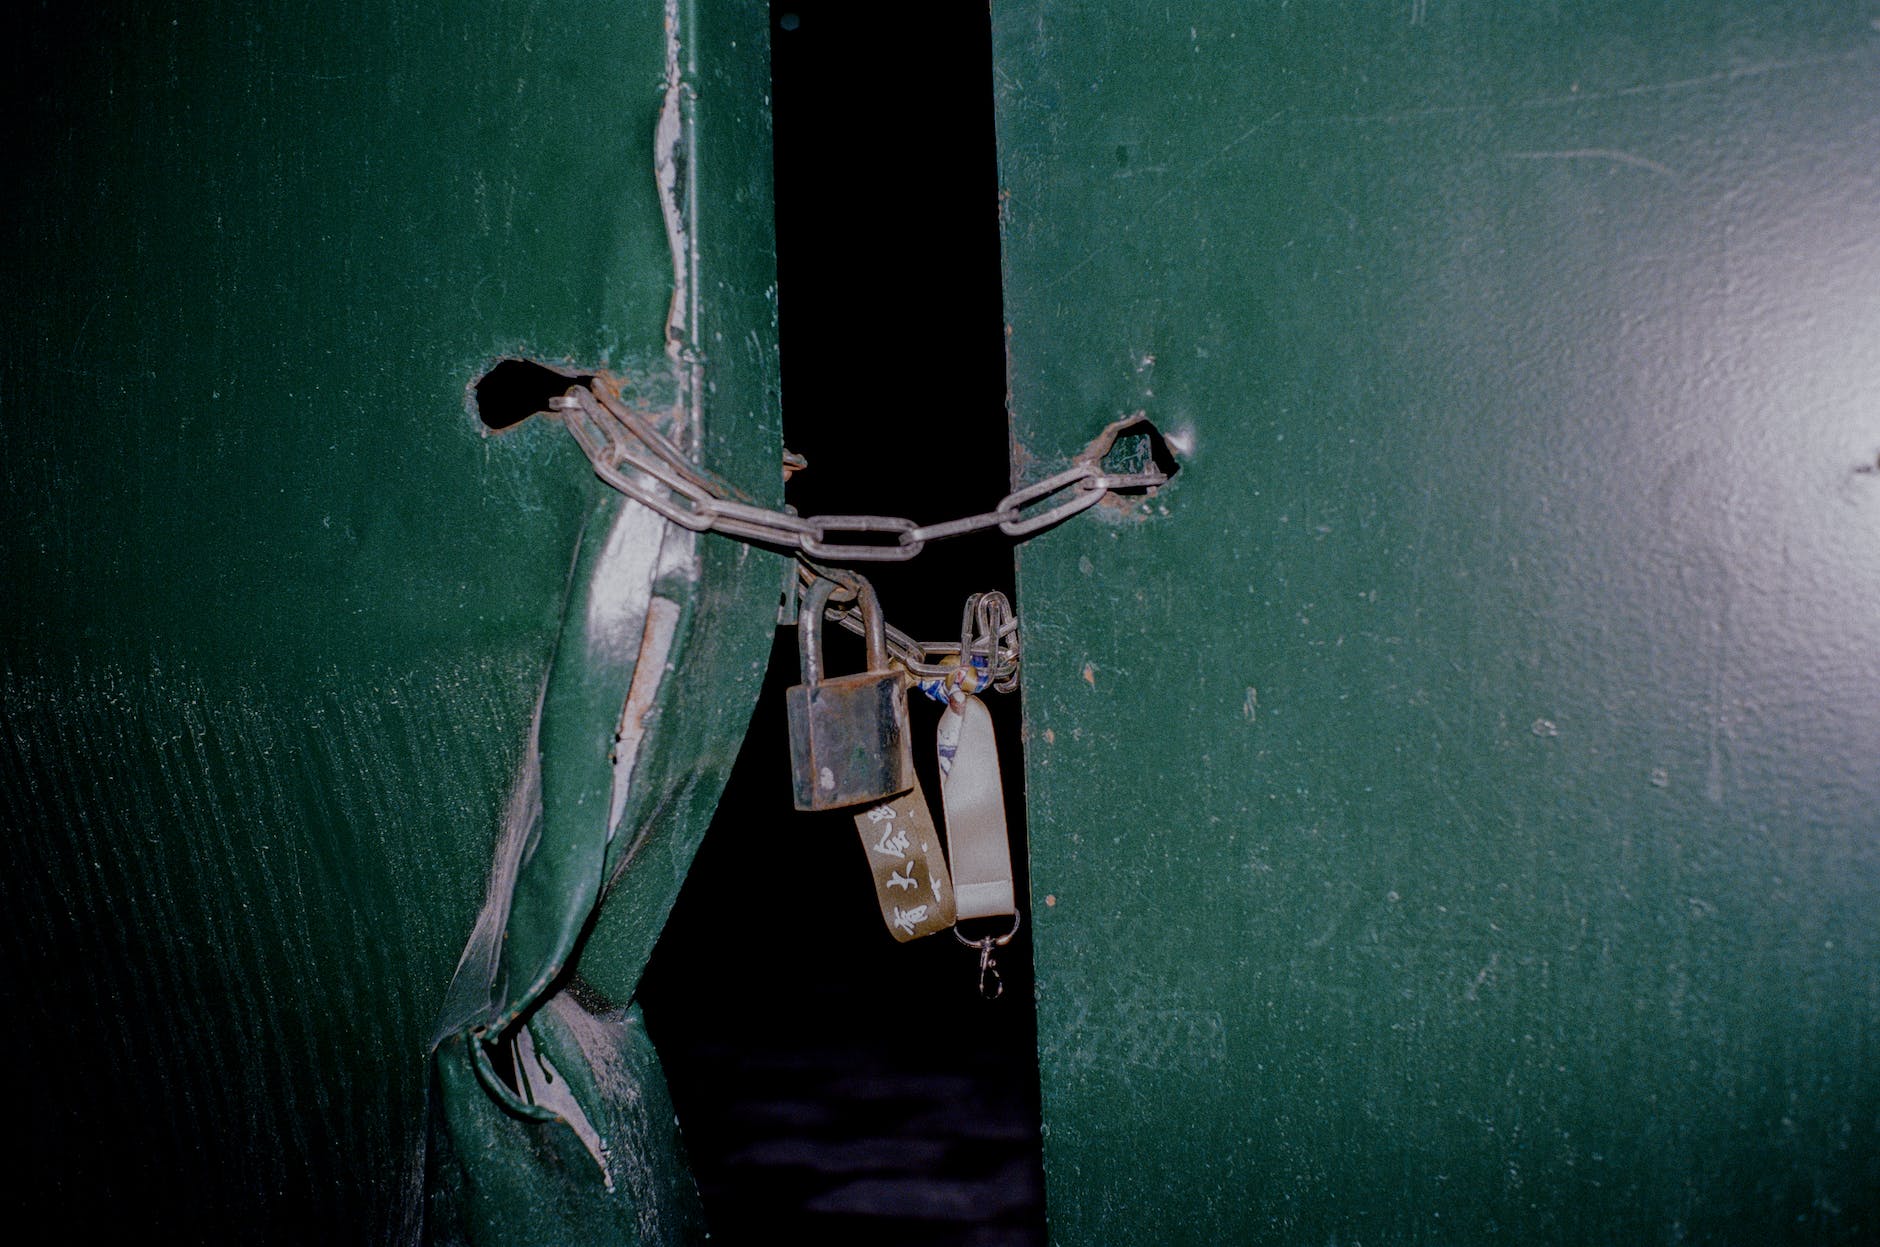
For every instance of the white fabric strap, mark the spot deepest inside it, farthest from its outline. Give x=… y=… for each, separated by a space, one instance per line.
x=974 y=800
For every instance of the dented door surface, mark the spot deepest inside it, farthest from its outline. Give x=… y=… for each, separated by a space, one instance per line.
x=290 y=641
x=1453 y=800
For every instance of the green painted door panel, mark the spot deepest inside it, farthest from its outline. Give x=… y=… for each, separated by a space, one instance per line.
x=285 y=627
x=1453 y=800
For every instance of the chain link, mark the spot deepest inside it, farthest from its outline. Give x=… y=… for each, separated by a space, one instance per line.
x=635 y=458
x=989 y=632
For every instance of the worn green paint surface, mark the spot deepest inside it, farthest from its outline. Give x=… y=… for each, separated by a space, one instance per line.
x=1456 y=818
x=278 y=614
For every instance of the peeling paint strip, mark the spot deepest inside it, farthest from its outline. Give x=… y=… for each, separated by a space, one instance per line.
x=649 y=672
x=673 y=159
x=623 y=582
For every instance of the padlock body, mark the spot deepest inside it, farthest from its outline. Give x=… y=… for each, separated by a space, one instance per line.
x=849 y=740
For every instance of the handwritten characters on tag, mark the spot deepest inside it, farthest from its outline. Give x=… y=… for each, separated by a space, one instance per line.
x=912 y=885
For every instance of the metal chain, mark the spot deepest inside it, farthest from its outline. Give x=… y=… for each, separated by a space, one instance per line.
x=635 y=458
x=989 y=632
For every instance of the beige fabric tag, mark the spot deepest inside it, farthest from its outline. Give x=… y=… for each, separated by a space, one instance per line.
x=974 y=797
x=903 y=850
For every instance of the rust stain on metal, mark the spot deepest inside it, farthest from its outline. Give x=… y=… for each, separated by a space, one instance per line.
x=1020 y=457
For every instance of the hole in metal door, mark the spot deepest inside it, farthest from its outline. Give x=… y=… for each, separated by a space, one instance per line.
x=830 y=1081
x=515 y=389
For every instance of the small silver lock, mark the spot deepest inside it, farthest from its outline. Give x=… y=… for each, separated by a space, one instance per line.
x=848 y=735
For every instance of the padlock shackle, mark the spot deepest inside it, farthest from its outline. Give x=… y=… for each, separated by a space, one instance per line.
x=874 y=628
x=809 y=627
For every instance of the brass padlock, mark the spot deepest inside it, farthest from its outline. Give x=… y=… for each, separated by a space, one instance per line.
x=848 y=735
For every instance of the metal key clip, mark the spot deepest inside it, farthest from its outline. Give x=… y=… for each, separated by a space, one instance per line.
x=991 y=982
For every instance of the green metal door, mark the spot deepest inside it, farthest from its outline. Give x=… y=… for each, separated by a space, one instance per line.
x=1453 y=800
x=290 y=641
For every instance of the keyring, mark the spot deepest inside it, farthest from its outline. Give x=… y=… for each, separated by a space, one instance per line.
x=991 y=982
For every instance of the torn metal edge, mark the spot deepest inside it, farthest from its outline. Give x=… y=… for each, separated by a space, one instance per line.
x=552 y=1092
x=678 y=192
x=471 y=997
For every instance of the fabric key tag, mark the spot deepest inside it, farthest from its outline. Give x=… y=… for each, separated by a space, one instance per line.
x=974 y=798
x=903 y=851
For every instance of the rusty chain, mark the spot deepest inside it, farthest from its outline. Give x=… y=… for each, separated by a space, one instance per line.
x=615 y=438
x=988 y=632
x=635 y=458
